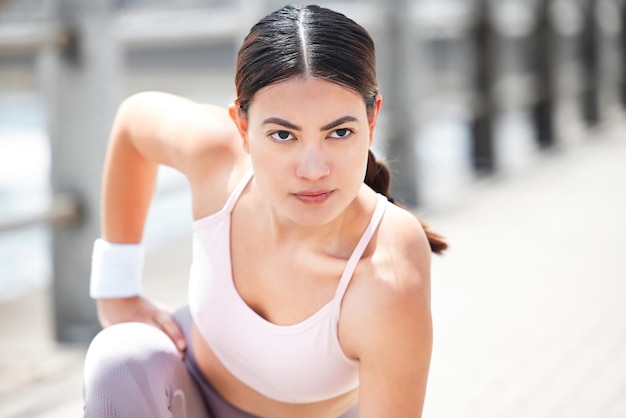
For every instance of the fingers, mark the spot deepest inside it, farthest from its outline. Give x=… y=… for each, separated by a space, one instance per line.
x=166 y=323
x=139 y=309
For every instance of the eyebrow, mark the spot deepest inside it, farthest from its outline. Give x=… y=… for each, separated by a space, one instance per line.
x=289 y=125
x=338 y=122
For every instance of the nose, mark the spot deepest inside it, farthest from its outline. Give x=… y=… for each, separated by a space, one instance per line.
x=312 y=164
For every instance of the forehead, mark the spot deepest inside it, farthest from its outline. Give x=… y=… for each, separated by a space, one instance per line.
x=306 y=98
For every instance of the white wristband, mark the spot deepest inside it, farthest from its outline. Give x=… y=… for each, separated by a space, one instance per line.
x=116 y=270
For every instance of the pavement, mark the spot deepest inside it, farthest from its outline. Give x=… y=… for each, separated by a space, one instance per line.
x=529 y=304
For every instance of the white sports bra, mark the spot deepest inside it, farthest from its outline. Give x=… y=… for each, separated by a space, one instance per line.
x=297 y=363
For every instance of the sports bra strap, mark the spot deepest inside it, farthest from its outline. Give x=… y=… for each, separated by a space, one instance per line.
x=234 y=196
x=377 y=216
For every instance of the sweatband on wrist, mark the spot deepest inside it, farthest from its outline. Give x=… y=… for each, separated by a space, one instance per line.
x=116 y=270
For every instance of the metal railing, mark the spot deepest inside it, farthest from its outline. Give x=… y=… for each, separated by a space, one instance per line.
x=64 y=209
x=25 y=38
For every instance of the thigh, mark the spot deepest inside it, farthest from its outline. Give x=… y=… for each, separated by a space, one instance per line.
x=134 y=370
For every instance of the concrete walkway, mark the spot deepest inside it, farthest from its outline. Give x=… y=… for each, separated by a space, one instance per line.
x=529 y=304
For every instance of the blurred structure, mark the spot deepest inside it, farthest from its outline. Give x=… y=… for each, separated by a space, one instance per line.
x=591 y=64
x=484 y=105
x=542 y=44
x=474 y=87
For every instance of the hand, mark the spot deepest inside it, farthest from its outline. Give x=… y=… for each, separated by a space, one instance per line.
x=140 y=309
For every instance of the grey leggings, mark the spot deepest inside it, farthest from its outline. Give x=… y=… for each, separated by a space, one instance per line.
x=134 y=370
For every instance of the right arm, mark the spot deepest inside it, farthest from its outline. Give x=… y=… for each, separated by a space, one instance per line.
x=152 y=129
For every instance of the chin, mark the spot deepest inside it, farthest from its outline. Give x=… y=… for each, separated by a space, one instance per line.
x=312 y=216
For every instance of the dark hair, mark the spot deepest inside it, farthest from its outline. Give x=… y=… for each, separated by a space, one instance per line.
x=312 y=41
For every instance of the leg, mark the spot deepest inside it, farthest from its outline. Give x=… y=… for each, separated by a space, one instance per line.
x=134 y=370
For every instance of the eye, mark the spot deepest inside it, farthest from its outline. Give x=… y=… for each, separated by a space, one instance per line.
x=340 y=133
x=281 y=136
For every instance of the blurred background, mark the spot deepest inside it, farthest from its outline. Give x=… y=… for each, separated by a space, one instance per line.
x=502 y=125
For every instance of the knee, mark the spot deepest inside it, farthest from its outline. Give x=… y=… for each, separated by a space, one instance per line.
x=130 y=352
x=127 y=372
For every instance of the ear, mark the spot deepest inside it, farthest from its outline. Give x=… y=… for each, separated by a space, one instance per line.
x=373 y=119
x=241 y=123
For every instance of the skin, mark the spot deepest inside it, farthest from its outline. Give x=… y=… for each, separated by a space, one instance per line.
x=308 y=202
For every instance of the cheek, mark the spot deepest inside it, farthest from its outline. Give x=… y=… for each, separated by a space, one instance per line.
x=354 y=158
x=268 y=163
x=256 y=148
x=261 y=152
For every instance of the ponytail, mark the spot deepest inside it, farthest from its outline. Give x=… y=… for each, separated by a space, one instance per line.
x=378 y=177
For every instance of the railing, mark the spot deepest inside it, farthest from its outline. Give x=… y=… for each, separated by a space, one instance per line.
x=64 y=209
x=31 y=37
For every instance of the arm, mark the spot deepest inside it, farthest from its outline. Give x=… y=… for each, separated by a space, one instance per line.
x=152 y=129
x=395 y=336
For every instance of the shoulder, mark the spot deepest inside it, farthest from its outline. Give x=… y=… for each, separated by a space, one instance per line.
x=177 y=131
x=402 y=241
x=199 y=140
x=167 y=110
x=399 y=258
x=390 y=291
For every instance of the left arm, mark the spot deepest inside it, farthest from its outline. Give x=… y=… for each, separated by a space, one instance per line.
x=394 y=340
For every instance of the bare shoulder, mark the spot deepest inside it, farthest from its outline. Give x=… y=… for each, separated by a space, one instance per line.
x=399 y=258
x=179 y=132
x=402 y=239
x=391 y=287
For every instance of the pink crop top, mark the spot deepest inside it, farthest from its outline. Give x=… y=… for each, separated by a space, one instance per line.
x=297 y=363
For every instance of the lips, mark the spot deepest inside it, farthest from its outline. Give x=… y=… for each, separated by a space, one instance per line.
x=313 y=197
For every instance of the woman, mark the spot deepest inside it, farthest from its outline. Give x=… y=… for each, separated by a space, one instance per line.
x=309 y=292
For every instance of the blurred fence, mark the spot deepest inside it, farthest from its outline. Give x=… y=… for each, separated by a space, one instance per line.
x=461 y=80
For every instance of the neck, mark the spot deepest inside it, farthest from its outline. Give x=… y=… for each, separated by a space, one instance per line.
x=286 y=233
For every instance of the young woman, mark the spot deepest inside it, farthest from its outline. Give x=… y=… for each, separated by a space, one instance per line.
x=309 y=291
